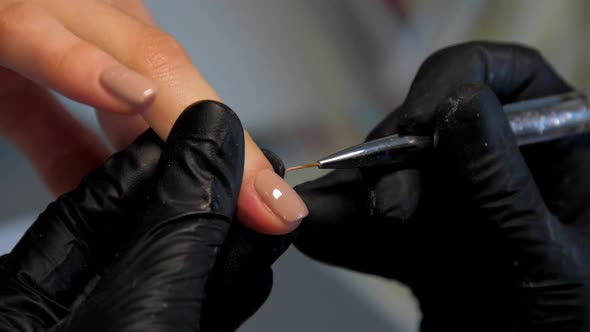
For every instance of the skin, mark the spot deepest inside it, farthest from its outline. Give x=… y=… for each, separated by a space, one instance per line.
x=72 y=37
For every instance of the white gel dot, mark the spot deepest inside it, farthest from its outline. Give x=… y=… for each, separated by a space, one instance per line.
x=277 y=193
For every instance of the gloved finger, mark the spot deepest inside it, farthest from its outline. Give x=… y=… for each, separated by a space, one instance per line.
x=477 y=151
x=242 y=278
x=75 y=236
x=338 y=230
x=512 y=72
x=159 y=279
x=556 y=165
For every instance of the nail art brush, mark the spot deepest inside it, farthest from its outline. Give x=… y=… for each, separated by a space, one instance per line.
x=532 y=121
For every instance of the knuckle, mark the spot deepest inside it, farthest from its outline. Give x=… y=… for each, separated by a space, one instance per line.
x=158 y=53
x=15 y=15
x=69 y=59
x=16 y=8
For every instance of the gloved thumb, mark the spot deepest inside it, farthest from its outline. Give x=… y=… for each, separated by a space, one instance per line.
x=157 y=282
x=477 y=150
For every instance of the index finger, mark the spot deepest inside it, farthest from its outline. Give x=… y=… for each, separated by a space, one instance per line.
x=161 y=57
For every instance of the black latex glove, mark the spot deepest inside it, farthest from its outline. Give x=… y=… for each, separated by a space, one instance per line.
x=466 y=228
x=146 y=242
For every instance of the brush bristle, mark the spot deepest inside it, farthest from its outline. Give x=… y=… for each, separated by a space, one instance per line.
x=294 y=168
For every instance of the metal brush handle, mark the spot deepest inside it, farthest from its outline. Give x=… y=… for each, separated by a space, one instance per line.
x=532 y=121
x=544 y=119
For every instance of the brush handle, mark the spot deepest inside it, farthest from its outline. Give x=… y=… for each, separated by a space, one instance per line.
x=532 y=121
x=545 y=119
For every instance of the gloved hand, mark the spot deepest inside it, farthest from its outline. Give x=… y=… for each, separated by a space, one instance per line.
x=146 y=242
x=488 y=237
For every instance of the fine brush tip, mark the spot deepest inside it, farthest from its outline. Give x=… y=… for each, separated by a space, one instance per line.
x=294 y=168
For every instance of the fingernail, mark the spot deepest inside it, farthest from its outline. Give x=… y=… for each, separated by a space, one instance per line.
x=280 y=197
x=129 y=86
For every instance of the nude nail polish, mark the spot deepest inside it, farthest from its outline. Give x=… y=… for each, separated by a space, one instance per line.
x=129 y=86
x=280 y=197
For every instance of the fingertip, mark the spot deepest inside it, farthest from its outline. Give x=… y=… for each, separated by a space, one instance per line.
x=268 y=204
x=212 y=129
x=129 y=87
x=256 y=215
x=201 y=165
x=216 y=117
x=279 y=196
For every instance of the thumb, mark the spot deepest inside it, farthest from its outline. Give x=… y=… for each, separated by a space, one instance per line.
x=476 y=147
x=242 y=278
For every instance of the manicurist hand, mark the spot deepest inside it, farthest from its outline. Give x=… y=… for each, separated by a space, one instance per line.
x=109 y=54
x=488 y=236
x=147 y=242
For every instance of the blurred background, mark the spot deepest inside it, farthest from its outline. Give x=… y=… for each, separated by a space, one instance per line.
x=311 y=76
